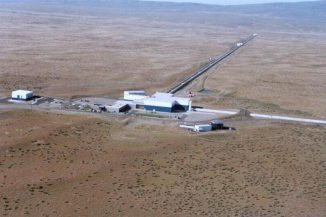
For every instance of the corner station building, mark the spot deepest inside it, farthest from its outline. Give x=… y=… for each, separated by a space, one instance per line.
x=166 y=102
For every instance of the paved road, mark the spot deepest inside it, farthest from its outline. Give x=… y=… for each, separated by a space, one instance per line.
x=267 y=116
x=209 y=65
x=10 y=107
x=286 y=118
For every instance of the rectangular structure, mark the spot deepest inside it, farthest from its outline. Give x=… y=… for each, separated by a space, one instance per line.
x=22 y=94
x=182 y=104
x=134 y=95
x=166 y=102
x=159 y=105
x=217 y=124
x=203 y=128
x=118 y=106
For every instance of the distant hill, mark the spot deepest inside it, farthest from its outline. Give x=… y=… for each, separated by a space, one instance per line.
x=301 y=14
x=304 y=16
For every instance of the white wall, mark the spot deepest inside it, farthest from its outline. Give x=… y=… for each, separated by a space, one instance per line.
x=130 y=96
x=151 y=102
x=22 y=94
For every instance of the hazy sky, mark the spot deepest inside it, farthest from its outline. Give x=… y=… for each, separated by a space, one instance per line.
x=232 y=2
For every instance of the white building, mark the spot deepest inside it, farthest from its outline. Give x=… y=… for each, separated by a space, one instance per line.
x=22 y=94
x=134 y=95
x=118 y=106
x=159 y=104
x=203 y=127
x=166 y=102
x=198 y=127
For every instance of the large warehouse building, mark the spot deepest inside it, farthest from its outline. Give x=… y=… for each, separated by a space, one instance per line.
x=166 y=102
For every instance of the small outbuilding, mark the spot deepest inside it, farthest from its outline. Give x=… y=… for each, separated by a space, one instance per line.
x=214 y=125
x=118 y=107
x=22 y=95
x=217 y=124
x=203 y=127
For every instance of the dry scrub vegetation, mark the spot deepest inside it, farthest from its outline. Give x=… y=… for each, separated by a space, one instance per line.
x=67 y=55
x=280 y=73
x=56 y=165
x=63 y=55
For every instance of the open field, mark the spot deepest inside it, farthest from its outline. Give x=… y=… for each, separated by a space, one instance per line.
x=66 y=55
x=276 y=73
x=62 y=55
x=78 y=166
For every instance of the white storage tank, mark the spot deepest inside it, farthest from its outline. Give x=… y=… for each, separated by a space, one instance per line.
x=22 y=95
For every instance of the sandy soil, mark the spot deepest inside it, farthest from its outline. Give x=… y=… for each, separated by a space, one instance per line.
x=56 y=165
x=66 y=55
x=62 y=55
x=59 y=165
x=276 y=73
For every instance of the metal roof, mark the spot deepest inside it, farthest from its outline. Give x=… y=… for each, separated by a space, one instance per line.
x=136 y=92
x=21 y=92
x=166 y=99
x=170 y=99
x=217 y=122
x=162 y=95
x=119 y=104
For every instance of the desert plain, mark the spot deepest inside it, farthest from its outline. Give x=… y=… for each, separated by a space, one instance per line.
x=55 y=164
